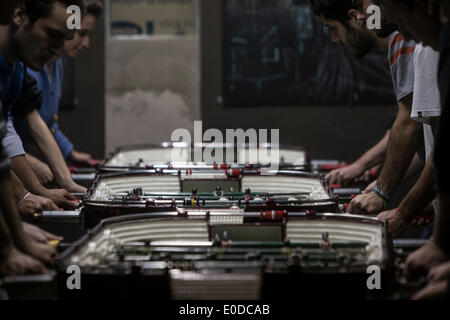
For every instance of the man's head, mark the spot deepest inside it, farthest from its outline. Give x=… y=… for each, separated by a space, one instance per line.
x=39 y=29
x=343 y=26
x=387 y=27
x=6 y=10
x=82 y=37
x=416 y=19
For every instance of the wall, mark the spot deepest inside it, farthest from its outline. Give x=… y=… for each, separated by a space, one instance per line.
x=152 y=88
x=329 y=132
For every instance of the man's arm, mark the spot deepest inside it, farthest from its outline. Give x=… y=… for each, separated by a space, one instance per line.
x=60 y=197
x=12 y=261
x=413 y=204
x=40 y=251
x=401 y=148
x=374 y=156
x=28 y=203
x=442 y=224
x=41 y=169
x=402 y=145
x=52 y=153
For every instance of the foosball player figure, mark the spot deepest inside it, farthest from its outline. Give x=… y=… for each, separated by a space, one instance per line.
x=325 y=245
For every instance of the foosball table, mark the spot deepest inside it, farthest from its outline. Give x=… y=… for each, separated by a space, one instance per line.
x=181 y=155
x=229 y=254
x=161 y=190
x=160 y=226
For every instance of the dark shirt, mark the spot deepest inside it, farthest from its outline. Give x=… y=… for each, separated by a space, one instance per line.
x=442 y=151
x=4 y=160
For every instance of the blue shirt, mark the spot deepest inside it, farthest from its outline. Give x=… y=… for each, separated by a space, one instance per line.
x=11 y=80
x=50 y=106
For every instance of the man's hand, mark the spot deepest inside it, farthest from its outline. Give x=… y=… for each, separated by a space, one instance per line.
x=81 y=158
x=441 y=272
x=41 y=170
x=345 y=175
x=71 y=186
x=438 y=286
x=369 y=203
x=38 y=234
x=41 y=251
x=35 y=204
x=18 y=263
x=433 y=291
x=62 y=198
x=396 y=223
x=370 y=187
x=421 y=261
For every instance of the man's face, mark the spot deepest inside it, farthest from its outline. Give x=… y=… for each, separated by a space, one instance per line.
x=41 y=42
x=82 y=38
x=362 y=6
x=415 y=24
x=354 y=38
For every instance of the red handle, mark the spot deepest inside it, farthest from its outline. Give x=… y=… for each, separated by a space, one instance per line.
x=330 y=167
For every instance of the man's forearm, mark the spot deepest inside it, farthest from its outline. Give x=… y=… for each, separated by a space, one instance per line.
x=421 y=194
x=10 y=213
x=27 y=176
x=442 y=224
x=376 y=154
x=5 y=238
x=415 y=167
x=49 y=148
x=401 y=148
x=18 y=188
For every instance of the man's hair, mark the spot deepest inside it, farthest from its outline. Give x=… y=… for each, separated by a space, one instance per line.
x=410 y=4
x=37 y=9
x=6 y=11
x=333 y=9
x=93 y=7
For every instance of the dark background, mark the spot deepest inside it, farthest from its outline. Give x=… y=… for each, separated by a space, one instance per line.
x=279 y=52
x=329 y=131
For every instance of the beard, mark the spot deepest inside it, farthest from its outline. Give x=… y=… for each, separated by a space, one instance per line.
x=387 y=28
x=359 y=42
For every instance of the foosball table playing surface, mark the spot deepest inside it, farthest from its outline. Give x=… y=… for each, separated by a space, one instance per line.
x=228 y=254
x=151 y=227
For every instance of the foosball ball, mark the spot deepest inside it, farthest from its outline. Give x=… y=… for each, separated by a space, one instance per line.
x=229 y=254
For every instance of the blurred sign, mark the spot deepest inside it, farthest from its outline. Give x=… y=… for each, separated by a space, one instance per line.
x=152 y=17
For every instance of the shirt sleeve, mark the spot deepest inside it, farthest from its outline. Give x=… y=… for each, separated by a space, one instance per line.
x=5 y=163
x=426 y=101
x=401 y=60
x=12 y=142
x=63 y=142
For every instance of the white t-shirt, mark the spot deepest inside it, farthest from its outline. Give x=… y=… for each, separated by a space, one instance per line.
x=426 y=101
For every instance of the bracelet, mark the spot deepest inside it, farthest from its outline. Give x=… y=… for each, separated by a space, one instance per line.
x=24 y=198
x=382 y=195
